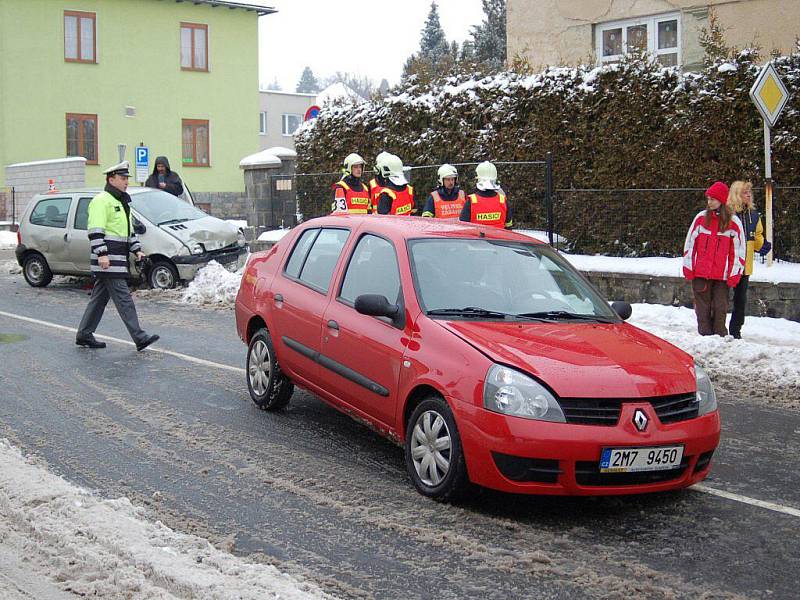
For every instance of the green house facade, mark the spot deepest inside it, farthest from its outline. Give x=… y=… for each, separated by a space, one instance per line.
x=81 y=77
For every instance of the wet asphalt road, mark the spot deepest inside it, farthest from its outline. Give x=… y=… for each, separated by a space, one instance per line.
x=318 y=495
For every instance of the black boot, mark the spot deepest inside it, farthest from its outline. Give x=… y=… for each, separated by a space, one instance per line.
x=146 y=342
x=89 y=342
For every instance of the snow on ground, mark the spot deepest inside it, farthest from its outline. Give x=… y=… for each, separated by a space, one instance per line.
x=213 y=284
x=108 y=549
x=8 y=239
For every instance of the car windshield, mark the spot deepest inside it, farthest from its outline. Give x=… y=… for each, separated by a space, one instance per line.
x=162 y=207
x=491 y=279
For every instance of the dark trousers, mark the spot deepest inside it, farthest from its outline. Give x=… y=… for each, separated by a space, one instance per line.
x=739 y=306
x=116 y=289
x=710 y=306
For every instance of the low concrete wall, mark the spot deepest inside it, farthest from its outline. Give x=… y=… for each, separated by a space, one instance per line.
x=224 y=205
x=29 y=179
x=763 y=299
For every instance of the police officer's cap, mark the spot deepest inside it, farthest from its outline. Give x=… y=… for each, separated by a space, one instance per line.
x=119 y=169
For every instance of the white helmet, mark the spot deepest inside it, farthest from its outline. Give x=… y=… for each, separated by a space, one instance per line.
x=350 y=161
x=392 y=169
x=487 y=176
x=446 y=171
x=380 y=161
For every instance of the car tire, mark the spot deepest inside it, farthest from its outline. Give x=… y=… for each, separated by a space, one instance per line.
x=269 y=388
x=36 y=271
x=162 y=275
x=433 y=451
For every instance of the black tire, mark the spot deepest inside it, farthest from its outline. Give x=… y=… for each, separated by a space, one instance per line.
x=36 y=271
x=269 y=388
x=451 y=484
x=162 y=275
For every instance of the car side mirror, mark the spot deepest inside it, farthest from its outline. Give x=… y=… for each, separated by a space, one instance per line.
x=376 y=305
x=623 y=309
x=139 y=228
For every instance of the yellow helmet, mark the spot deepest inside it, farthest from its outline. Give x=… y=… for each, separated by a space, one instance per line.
x=446 y=171
x=350 y=161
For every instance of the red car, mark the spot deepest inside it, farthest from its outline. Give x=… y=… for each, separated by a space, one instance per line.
x=482 y=351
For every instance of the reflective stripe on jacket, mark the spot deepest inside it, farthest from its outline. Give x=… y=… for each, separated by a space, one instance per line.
x=448 y=209
x=488 y=210
x=402 y=200
x=348 y=200
x=375 y=191
x=110 y=234
x=712 y=254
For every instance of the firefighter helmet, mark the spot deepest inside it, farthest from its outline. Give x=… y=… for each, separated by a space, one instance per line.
x=446 y=171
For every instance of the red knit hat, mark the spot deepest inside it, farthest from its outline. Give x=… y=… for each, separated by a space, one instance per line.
x=718 y=191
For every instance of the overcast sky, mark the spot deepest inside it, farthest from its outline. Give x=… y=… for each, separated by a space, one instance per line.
x=367 y=37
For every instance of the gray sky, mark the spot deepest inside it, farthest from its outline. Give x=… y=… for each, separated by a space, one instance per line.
x=351 y=36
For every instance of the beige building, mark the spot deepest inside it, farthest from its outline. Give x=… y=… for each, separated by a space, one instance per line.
x=568 y=32
x=281 y=114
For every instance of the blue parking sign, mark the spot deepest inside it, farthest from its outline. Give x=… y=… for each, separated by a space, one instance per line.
x=142 y=156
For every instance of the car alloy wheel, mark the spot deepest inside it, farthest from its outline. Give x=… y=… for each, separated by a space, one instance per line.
x=431 y=448
x=433 y=453
x=260 y=368
x=269 y=388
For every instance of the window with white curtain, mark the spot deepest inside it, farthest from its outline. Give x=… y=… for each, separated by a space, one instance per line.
x=659 y=35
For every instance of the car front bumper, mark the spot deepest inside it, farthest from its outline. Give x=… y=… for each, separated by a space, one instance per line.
x=189 y=265
x=523 y=456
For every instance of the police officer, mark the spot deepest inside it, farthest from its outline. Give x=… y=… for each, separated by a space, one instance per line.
x=446 y=201
x=350 y=195
x=488 y=205
x=111 y=238
x=397 y=197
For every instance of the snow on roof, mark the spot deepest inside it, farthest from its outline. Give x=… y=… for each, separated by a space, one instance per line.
x=336 y=91
x=281 y=152
x=265 y=157
x=258 y=7
x=49 y=162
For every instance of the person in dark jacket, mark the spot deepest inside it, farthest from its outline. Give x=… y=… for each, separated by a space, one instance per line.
x=165 y=179
x=446 y=201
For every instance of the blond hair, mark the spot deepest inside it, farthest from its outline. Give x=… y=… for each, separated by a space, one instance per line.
x=736 y=200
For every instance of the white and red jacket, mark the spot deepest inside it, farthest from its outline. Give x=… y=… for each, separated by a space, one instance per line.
x=713 y=254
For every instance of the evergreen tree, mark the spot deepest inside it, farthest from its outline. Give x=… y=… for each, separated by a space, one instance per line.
x=308 y=84
x=274 y=86
x=433 y=43
x=489 y=38
x=383 y=88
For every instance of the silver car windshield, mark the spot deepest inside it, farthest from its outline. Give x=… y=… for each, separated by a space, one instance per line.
x=479 y=278
x=162 y=207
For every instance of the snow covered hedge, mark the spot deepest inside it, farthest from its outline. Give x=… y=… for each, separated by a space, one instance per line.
x=629 y=125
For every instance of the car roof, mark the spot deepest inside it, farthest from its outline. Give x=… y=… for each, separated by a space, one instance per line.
x=416 y=227
x=94 y=190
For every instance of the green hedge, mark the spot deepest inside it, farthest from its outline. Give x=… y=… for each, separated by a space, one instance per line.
x=630 y=125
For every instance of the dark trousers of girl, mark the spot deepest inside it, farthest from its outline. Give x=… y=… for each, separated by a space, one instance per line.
x=710 y=306
x=739 y=306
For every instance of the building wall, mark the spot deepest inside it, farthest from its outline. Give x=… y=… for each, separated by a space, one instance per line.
x=138 y=53
x=554 y=32
x=276 y=104
x=29 y=179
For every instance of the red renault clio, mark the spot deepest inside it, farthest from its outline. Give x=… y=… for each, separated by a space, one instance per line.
x=482 y=351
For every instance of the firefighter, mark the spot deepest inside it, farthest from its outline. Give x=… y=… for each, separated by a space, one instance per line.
x=350 y=195
x=378 y=183
x=488 y=205
x=397 y=197
x=446 y=201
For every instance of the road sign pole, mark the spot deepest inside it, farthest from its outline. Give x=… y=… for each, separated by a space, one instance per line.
x=768 y=186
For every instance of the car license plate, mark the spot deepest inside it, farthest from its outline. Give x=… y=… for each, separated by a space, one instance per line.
x=630 y=460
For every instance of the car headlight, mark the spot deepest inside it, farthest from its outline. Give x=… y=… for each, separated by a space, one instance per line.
x=510 y=392
x=706 y=398
x=197 y=248
x=240 y=239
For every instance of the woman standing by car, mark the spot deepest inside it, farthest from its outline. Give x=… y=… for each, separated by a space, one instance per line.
x=713 y=259
x=740 y=201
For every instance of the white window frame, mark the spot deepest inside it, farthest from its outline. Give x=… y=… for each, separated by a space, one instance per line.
x=262 y=123
x=652 y=22
x=285 y=123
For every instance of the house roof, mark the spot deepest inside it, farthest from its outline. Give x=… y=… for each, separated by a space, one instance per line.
x=260 y=9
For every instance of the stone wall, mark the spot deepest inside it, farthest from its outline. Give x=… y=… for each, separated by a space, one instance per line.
x=29 y=179
x=224 y=205
x=763 y=299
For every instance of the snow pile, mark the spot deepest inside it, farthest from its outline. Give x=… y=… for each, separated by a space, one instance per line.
x=11 y=267
x=213 y=284
x=8 y=239
x=768 y=356
x=106 y=548
x=273 y=235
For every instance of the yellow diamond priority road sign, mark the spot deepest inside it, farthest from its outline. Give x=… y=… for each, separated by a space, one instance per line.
x=769 y=94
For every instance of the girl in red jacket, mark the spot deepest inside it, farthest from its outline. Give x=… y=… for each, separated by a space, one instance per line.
x=713 y=259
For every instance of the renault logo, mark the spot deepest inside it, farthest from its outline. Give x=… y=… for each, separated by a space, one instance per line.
x=640 y=419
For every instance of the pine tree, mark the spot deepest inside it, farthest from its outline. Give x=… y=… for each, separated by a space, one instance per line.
x=489 y=38
x=274 y=86
x=308 y=84
x=712 y=39
x=383 y=88
x=433 y=43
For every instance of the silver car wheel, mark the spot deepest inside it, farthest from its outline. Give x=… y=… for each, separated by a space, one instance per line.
x=162 y=276
x=34 y=270
x=431 y=448
x=260 y=368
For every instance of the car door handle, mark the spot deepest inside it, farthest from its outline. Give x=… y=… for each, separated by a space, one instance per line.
x=278 y=297
x=66 y=237
x=333 y=325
